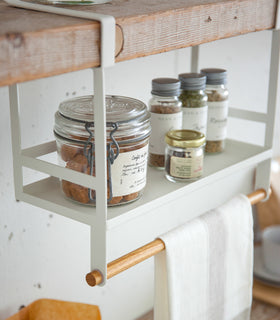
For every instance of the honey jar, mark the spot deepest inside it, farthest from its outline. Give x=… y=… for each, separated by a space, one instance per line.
x=184 y=155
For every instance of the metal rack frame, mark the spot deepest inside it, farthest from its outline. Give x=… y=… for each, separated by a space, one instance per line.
x=28 y=157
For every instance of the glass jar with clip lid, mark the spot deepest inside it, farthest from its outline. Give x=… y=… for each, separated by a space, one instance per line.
x=128 y=131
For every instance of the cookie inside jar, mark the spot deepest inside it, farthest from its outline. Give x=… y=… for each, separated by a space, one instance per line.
x=128 y=130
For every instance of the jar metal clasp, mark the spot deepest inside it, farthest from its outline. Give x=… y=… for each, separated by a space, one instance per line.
x=89 y=149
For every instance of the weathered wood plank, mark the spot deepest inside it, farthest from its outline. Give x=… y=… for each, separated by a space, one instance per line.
x=36 y=45
x=175 y=29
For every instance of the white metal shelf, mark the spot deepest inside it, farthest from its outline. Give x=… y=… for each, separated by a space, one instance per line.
x=47 y=193
x=241 y=168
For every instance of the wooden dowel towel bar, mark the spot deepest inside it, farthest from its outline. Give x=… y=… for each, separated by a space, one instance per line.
x=131 y=259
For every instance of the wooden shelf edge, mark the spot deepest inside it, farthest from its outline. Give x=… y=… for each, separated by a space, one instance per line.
x=25 y=56
x=29 y=55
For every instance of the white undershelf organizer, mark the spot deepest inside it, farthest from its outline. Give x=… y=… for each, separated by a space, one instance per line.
x=242 y=168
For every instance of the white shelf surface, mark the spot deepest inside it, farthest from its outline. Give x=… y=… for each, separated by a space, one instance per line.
x=159 y=191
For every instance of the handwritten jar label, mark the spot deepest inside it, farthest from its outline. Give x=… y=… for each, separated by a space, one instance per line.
x=128 y=172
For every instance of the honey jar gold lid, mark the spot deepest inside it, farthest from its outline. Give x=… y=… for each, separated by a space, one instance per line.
x=185 y=138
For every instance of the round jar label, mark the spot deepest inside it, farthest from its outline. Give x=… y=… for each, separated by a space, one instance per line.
x=128 y=172
x=161 y=124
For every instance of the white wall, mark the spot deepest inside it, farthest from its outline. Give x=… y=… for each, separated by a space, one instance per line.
x=43 y=255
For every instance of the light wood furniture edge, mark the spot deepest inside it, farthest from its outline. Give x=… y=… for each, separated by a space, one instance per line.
x=31 y=49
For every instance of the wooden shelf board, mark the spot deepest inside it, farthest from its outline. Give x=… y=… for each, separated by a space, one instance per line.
x=35 y=45
x=47 y=194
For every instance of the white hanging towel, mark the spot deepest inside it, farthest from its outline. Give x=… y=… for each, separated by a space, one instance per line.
x=205 y=272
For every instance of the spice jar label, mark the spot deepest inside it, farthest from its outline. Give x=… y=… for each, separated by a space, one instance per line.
x=129 y=172
x=189 y=167
x=195 y=119
x=161 y=124
x=217 y=120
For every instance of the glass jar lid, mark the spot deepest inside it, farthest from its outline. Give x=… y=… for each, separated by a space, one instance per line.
x=165 y=87
x=185 y=138
x=192 y=81
x=130 y=115
x=215 y=76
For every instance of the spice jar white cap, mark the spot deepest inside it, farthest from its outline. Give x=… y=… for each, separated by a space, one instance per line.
x=192 y=81
x=165 y=87
x=215 y=76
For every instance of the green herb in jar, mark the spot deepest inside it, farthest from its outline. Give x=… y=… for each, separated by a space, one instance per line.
x=194 y=101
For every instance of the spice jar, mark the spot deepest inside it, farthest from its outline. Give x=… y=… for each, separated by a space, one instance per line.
x=194 y=101
x=184 y=155
x=166 y=115
x=216 y=80
x=128 y=129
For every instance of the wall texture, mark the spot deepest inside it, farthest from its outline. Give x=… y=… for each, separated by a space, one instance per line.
x=45 y=255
